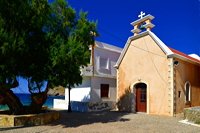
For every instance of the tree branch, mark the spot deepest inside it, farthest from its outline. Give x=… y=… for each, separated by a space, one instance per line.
x=38 y=86
x=29 y=87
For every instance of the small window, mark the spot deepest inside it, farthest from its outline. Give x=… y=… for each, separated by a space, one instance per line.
x=187 y=92
x=104 y=90
x=179 y=94
x=103 y=62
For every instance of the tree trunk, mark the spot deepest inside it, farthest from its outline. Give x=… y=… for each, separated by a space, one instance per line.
x=38 y=99
x=13 y=102
x=16 y=107
x=8 y=97
x=69 y=104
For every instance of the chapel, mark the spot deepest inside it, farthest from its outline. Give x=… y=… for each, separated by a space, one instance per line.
x=154 y=78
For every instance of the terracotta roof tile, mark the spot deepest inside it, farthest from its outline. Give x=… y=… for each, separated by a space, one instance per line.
x=184 y=55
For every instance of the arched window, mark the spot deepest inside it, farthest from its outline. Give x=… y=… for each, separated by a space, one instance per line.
x=187 y=91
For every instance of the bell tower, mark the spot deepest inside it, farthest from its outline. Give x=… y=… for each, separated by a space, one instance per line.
x=142 y=23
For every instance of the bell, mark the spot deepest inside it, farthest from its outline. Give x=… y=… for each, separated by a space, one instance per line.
x=142 y=27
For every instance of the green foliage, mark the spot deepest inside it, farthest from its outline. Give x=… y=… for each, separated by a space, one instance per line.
x=19 y=49
x=43 y=42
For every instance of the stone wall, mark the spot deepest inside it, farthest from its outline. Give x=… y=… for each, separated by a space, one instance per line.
x=101 y=106
x=92 y=106
x=192 y=114
x=28 y=120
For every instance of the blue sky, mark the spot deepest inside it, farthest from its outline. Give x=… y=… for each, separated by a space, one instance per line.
x=177 y=22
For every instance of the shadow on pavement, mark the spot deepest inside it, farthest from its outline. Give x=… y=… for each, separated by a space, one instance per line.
x=75 y=119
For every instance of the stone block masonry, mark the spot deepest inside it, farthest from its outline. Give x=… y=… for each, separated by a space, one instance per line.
x=192 y=114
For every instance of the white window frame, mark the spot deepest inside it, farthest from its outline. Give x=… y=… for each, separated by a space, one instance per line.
x=189 y=93
x=102 y=68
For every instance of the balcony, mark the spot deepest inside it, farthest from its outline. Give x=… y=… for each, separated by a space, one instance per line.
x=87 y=71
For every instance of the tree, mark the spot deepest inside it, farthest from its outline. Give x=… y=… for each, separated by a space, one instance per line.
x=46 y=44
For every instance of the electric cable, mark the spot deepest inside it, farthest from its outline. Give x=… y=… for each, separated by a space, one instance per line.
x=158 y=74
x=125 y=42
x=111 y=35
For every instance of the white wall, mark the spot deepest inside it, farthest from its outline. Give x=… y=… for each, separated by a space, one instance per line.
x=95 y=93
x=81 y=92
x=86 y=93
x=112 y=57
x=85 y=83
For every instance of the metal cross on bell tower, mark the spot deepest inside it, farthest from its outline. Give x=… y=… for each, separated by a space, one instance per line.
x=143 y=23
x=141 y=14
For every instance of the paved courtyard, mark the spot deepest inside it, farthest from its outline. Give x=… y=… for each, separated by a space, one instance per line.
x=108 y=122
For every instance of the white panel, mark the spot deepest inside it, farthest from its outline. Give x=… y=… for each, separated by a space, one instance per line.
x=60 y=104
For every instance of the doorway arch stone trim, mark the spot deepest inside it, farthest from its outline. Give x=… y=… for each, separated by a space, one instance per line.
x=133 y=95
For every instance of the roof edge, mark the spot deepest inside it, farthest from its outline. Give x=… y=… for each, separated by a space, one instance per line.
x=106 y=46
x=183 y=58
x=126 y=47
x=161 y=44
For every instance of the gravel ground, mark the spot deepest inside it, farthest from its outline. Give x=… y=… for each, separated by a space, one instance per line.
x=108 y=122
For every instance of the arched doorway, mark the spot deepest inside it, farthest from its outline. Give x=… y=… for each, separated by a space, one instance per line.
x=141 y=97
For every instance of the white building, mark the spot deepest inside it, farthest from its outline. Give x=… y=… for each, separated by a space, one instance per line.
x=98 y=89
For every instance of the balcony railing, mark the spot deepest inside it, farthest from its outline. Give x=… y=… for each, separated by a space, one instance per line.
x=87 y=71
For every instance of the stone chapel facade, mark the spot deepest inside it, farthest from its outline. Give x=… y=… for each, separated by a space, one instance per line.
x=154 y=78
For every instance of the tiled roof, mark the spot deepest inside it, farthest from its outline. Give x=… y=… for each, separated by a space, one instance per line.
x=184 y=55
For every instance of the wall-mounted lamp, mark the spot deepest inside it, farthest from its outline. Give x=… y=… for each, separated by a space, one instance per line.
x=176 y=63
x=139 y=79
